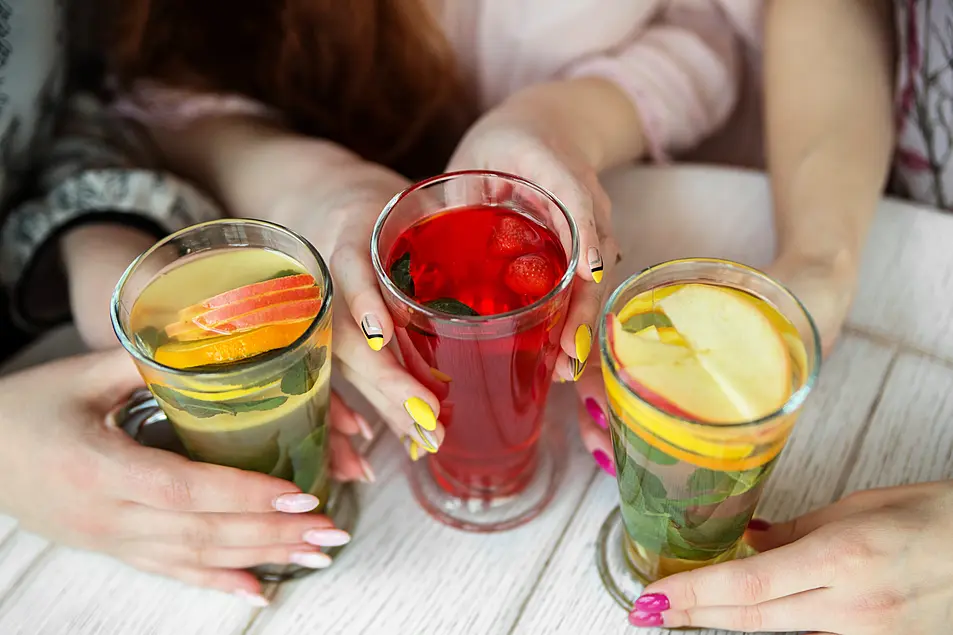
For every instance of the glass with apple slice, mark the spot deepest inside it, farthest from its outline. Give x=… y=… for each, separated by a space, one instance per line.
x=229 y=323
x=706 y=366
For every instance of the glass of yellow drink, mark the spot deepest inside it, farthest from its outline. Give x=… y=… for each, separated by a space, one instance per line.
x=706 y=366
x=229 y=323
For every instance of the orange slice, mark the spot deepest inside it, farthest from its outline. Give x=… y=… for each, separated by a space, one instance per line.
x=230 y=348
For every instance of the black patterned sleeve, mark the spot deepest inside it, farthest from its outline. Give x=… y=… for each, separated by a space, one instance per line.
x=101 y=168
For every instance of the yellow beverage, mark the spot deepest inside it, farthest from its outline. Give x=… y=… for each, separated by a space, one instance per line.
x=704 y=380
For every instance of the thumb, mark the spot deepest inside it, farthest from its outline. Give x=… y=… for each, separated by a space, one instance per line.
x=773 y=536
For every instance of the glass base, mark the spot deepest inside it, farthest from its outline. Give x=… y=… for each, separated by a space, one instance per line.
x=487 y=514
x=142 y=419
x=343 y=509
x=620 y=575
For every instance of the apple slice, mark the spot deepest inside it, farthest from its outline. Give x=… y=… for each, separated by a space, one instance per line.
x=683 y=388
x=735 y=344
x=248 y=291
x=634 y=349
x=650 y=333
x=223 y=314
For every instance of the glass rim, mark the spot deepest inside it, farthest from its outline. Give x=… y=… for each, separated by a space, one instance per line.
x=561 y=286
x=793 y=402
x=295 y=346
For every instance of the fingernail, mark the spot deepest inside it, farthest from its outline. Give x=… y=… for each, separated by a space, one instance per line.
x=326 y=537
x=364 y=428
x=369 y=476
x=441 y=376
x=254 y=599
x=758 y=524
x=428 y=440
x=577 y=367
x=311 y=559
x=604 y=462
x=652 y=603
x=592 y=407
x=373 y=332
x=421 y=412
x=295 y=503
x=641 y=618
x=595 y=264
x=583 y=342
x=413 y=450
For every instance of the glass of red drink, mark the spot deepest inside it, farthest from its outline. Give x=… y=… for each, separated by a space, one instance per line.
x=476 y=269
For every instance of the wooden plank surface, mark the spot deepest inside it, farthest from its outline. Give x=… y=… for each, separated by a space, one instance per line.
x=405 y=573
x=570 y=598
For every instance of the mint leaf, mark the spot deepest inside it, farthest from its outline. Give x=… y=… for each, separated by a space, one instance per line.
x=309 y=459
x=451 y=306
x=644 y=320
x=256 y=406
x=400 y=274
x=636 y=442
x=284 y=273
x=149 y=339
x=205 y=409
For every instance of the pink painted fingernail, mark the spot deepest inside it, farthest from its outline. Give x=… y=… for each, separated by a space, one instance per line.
x=326 y=537
x=758 y=524
x=295 y=503
x=364 y=427
x=652 y=603
x=641 y=618
x=592 y=407
x=254 y=599
x=604 y=462
x=369 y=476
x=311 y=559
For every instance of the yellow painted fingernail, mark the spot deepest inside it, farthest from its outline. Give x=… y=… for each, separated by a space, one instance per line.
x=428 y=440
x=373 y=332
x=441 y=376
x=412 y=448
x=421 y=412
x=595 y=264
x=577 y=366
x=583 y=342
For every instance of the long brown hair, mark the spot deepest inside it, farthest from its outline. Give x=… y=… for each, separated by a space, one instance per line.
x=374 y=75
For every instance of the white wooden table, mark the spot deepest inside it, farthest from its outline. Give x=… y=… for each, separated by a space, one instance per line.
x=882 y=415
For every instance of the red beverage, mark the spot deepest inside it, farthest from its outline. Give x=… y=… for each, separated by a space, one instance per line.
x=482 y=261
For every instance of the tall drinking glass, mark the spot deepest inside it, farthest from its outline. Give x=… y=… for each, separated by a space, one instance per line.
x=706 y=365
x=484 y=344
x=229 y=324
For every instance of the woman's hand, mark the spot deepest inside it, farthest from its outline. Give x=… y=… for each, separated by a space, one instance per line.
x=68 y=473
x=878 y=562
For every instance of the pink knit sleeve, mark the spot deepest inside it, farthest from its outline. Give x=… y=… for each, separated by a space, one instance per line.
x=157 y=105
x=682 y=71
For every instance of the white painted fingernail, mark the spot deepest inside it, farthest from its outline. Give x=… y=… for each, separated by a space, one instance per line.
x=254 y=599
x=311 y=559
x=296 y=503
x=326 y=537
x=369 y=475
x=364 y=427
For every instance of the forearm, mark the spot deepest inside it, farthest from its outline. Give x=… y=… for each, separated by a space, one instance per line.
x=828 y=82
x=592 y=114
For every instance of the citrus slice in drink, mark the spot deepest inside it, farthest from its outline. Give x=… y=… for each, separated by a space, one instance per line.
x=231 y=348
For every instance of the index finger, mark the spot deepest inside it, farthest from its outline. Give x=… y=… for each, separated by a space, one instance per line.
x=164 y=480
x=768 y=576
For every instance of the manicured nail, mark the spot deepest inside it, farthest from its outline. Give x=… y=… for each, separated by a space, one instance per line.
x=364 y=428
x=373 y=332
x=595 y=264
x=427 y=440
x=295 y=503
x=592 y=407
x=441 y=376
x=413 y=450
x=326 y=537
x=369 y=476
x=421 y=412
x=577 y=367
x=583 y=342
x=759 y=524
x=604 y=462
x=256 y=600
x=641 y=618
x=311 y=559
x=652 y=603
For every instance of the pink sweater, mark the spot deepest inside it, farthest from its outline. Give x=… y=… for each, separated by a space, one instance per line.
x=683 y=63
